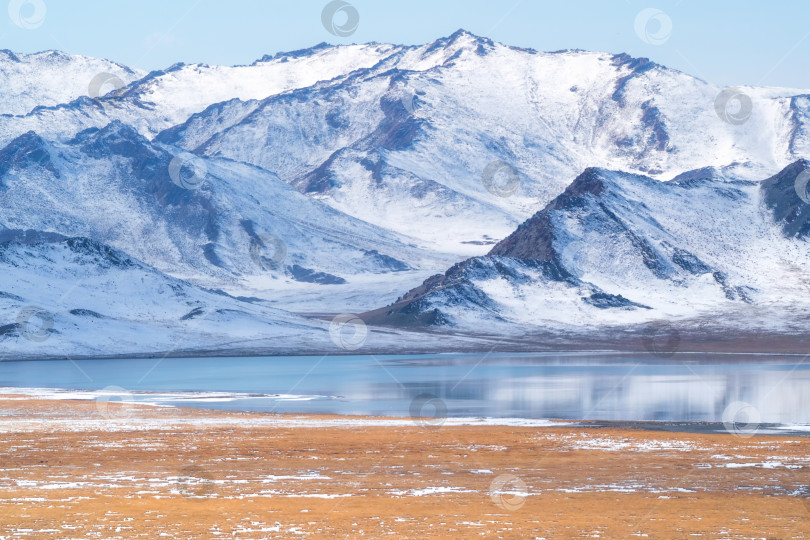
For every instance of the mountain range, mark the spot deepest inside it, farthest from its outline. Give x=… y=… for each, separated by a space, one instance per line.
x=451 y=196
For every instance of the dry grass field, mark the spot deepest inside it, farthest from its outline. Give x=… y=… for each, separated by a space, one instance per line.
x=78 y=469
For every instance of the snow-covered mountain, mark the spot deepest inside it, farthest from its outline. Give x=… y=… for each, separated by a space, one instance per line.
x=622 y=249
x=162 y=99
x=76 y=296
x=384 y=132
x=336 y=178
x=430 y=133
x=49 y=78
x=241 y=229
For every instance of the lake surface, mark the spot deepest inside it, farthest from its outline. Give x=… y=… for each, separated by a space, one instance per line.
x=569 y=386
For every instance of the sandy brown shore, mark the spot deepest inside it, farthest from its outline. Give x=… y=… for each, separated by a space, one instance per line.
x=78 y=469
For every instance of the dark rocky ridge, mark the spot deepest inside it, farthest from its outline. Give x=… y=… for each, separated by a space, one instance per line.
x=786 y=207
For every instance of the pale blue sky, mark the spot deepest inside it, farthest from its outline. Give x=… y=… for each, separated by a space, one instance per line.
x=725 y=42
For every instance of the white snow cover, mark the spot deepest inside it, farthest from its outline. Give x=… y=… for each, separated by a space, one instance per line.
x=368 y=162
x=48 y=78
x=405 y=148
x=165 y=98
x=706 y=249
x=113 y=186
x=101 y=302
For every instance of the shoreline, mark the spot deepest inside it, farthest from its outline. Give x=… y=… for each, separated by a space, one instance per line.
x=302 y=419
x=387 y=352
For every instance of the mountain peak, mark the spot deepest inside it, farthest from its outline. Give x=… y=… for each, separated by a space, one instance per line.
x=10 y=54
x=533 y=239
x=461 y=39
x=632 y=62
x=298 y=53
x=116 y=138
x=29 y=149
x=462 y=33
x=115 y=130
x=591 y=180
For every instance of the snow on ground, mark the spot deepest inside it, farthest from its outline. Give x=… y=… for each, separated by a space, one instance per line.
x=48 y=78
x=616 y=444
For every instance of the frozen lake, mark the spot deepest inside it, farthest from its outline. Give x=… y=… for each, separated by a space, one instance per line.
x=768 y=389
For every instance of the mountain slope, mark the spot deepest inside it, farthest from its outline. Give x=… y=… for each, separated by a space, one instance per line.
x=75 y=297
x=435 y=141
x=162 y=99
x=617 y=249
x=395 y=135
x=242 y=229
x=63 y=297
x=48 y=78
x=330 y=180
